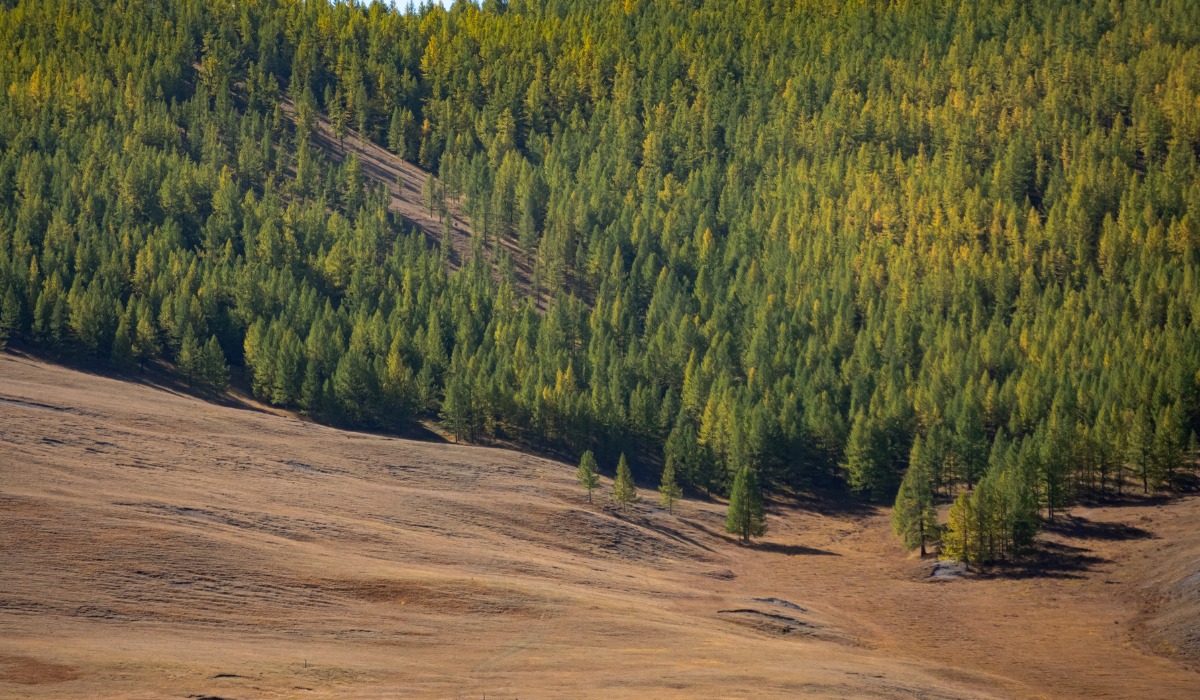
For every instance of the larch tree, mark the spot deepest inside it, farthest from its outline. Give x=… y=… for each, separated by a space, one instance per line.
x=669 y=490
x=588 y=473
x=624 y=490
x=961 y=538
x=745 y=517
x=145 y=339
x=914 y=517
x=189 y=357
x=212 y=365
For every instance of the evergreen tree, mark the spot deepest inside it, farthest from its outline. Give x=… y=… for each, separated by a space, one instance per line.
x=1141 y=446
x=10 y=316
x=457 y=408
x=588 y=473
x=960 y=541
x=865 y=468
x=122 y=347
x=212 y=365
x=145 y=341
x=624 y=491
x=745 y=517
x=669 y=491
x=189 y=358
x=914 y=517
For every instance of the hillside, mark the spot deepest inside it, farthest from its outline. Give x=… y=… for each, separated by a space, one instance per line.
x=821 y=242
x=154 y=545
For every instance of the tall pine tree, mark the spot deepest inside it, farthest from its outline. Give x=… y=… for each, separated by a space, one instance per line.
x=745 y=517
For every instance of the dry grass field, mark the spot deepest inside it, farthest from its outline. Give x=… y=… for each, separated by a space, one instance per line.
x=154 y=545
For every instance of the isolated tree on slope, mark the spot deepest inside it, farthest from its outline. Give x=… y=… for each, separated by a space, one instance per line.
x=914 y=517
x=588 y=473
x=669 y=491
x=624 y=491
x=746 y=518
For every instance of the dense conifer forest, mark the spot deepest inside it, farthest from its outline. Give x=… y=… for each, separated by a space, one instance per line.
x=793 y=243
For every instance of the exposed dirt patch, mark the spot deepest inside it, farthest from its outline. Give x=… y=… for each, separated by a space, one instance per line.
x=26 y=670
x=453 y=596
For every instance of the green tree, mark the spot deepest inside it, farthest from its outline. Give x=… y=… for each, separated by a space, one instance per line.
x=624 y=491
x=1141 y=446
x=865 y=468
x=588 y=473
x=914 y=517
x=745 y=517
x=145 y=344
x=458 y=408
x=398 y=132
x=189 y=358
x=669 y=491
x=960 y=541
x=122 y=347
x=212 y=365
x=10 y=316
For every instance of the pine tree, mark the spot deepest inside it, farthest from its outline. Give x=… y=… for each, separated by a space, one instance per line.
x=1141 y=446
x=457 y=407
x=624 y=491
x=961 y=538
x=145 y=340
x=864 y=466
x=398 y=130
x=355 y=386
x=10 y=317
x=1169 y=445
x=1193 y=453
x=189 y=356
x=122 y=348
x=669 y=491
x=745 y=517
x=588 y=473
x=212 y=365
x=914 y=517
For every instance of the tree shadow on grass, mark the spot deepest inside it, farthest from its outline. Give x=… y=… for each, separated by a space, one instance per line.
x=1081 y=528
x=668 y=532
x=1049 y=560
x=773 y=547
x=827 y=502
x=791 y=550
x=1128 y=499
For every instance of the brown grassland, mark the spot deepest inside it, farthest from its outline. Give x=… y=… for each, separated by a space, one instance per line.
x=156 y=545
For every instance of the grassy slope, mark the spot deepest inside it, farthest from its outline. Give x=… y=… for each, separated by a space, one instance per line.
x=155 y=545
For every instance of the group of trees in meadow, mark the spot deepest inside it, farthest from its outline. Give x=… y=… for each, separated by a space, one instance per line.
x=915 y=248
x=745 y=517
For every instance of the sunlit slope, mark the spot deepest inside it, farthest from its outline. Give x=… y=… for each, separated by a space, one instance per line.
x=156 y=545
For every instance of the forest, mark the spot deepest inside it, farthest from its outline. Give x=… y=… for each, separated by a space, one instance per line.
x=925 y=251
